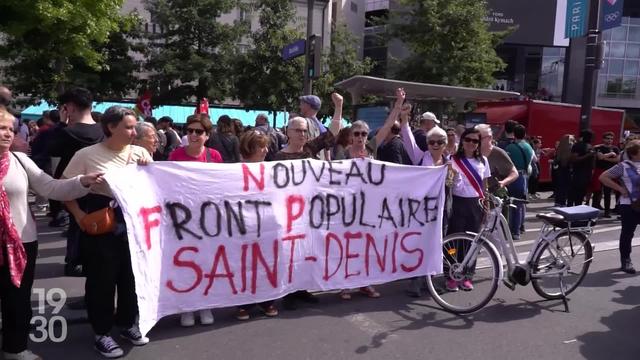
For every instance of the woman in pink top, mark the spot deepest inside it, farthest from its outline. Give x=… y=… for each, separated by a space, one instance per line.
x=198 y=130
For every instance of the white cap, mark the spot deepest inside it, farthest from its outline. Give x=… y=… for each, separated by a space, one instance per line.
x=430 y=116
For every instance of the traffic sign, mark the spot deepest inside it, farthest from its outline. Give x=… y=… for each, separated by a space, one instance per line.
x=294 y=49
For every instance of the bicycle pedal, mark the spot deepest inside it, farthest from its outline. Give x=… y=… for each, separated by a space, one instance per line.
x=509 y=284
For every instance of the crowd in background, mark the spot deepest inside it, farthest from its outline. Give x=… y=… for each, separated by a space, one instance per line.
x=73 y=142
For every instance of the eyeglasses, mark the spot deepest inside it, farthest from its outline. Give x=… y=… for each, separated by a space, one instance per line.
x=360 y=133
x=470 y=140
x=300 y=131
x=197 y=131
x=439 y=142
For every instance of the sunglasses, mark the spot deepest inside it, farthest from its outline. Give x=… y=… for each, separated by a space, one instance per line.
x=197 y=131
x=433 y=142
x=470 y=140
x=360 y=133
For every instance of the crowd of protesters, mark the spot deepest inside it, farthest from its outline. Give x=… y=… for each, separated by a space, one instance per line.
x=70 y=148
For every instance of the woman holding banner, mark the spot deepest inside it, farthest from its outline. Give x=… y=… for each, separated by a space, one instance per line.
x=434 y=156
x=299 y=147
x=105 y=250
x=360 y=148
x=254 y=146
x=18 y=235
x=469 y=186
x=198 y=130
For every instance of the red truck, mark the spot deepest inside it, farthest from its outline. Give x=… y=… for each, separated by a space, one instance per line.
x=550 y=121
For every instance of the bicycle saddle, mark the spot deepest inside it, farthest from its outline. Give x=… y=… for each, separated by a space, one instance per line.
x=551 y=218
x=577 y=213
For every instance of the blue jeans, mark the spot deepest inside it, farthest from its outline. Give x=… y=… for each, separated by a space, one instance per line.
x=517 y=189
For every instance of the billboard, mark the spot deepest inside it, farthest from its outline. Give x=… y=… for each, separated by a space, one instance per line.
x=539 y=22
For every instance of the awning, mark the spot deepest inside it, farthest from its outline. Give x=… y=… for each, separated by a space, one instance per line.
x=360 y=85
x=178 y=113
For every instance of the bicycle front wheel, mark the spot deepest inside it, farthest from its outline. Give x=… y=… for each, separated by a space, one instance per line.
x=565 y=257
x=483 y=271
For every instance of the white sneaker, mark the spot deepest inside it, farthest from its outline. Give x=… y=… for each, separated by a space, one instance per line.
x=24 y=355
x=187 y=319
x=206 y=317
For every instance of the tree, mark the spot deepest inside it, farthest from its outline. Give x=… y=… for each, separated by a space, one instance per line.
x=264 y=79
x=450 y=44
x=194 y=53
x=46 y=42
x=341 y=62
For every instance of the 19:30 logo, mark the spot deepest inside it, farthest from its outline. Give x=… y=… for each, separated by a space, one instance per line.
x=54 y=327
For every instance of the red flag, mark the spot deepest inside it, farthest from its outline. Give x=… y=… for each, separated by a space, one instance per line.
x=203 y=107
x=143 y=104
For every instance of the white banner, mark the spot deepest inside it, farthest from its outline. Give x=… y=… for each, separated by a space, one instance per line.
x=208 y=235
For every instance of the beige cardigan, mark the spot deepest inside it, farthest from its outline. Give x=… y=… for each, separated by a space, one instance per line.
x=24 y=174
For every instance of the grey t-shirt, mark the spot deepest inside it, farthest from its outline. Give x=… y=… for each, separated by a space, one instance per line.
x=500 y=165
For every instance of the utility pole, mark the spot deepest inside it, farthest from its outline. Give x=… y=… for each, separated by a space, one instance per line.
x=593 y=62
x=307 y=78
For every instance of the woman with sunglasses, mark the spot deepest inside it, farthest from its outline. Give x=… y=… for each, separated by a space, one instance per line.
x=436 y=143
x=198 y=130
x=361 y=148
x=469 y=186
x=436 y=155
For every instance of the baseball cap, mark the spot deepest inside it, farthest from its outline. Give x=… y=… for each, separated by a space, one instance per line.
x=430 y=116
x=312 y=100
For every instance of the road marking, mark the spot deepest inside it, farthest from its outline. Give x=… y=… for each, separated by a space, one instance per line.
x=50 y=232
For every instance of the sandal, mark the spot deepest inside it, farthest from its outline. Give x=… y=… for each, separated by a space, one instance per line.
x=344 y=295
x=370 y=292
x=242 y=315
x=270 y=311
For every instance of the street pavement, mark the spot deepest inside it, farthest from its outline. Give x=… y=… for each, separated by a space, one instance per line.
x=602 y=322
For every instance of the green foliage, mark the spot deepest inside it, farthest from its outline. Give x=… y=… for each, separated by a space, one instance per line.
x=264 y=79
x=193 y=56
x=341 y=62
x=47 y=43
x=449 y=42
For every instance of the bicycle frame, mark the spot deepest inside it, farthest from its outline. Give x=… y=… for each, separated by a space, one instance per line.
x=496 y=232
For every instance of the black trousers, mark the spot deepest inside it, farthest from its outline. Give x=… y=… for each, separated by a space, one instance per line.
x=606 y=191
x=578 y=188
x=107 y=265
x=16 y=303
x=630 y=220
x=108 y=269
x=466 y=215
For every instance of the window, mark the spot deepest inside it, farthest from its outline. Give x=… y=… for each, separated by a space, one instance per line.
x=629 y=86
x=616 y=67
x=616 y=50
x=633 y=51
x=243 y=15
x=634 y=33
x=619 y=34
x=614 y=85
x=354 y=7
x=631 y=67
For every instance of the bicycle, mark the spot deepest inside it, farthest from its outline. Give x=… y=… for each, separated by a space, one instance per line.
x=555 y=266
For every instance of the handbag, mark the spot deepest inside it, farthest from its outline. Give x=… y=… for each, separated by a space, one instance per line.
x=99 y=222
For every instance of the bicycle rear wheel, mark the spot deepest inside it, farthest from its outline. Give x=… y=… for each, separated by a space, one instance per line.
x=564 y=257
x=484 y=271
